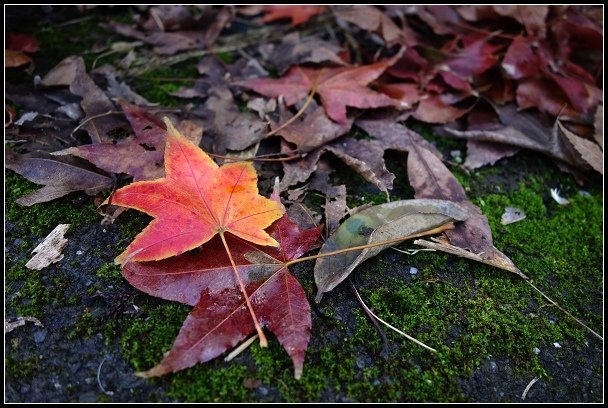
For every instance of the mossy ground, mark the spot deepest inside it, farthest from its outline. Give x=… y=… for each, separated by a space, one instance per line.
x=471 y=313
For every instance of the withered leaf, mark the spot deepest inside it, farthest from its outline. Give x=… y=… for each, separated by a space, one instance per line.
x=58 y=177
x=481 y=154
x=72 y=72
x=431 y=179
x=372 y=19
x=405 y=218
x=589 y=151
x=141 y=155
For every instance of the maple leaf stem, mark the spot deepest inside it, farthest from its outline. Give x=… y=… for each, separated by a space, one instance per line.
x=258 y=328
x=298 y=114
x=375 y=244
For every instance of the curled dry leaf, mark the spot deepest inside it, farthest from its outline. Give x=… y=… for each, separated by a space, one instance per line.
x=99 y=123
x=480 y=154
x=58 y=177
x=390 y=221
x=219 y=319
x=589 y=151
x=50 y=249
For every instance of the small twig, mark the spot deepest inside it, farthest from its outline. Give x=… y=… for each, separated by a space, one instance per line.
x=109 y=393
x=384 y=352
x=392 y=327
x=530 y=384
x=87 y=120
x=565 y=311
x=242 y=347
x=298 y=114
x=413 y=251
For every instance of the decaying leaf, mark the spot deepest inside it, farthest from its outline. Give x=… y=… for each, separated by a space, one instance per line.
x=431 y=179
x=219 y=319
x=58 y=177
x=599 y=126
x=99 y=122
x=589 y=151
x=512 y=215
x=390 y=221
x=50 y=249
x=9 y=325
x=480 y=154
x=141 y=155
x=335 y=197
x=371 y=19
x=231 y=128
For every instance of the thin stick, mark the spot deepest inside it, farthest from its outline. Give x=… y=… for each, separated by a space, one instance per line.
x=565 y=311
x=392 y=327
x=258 y=328
x=375 y=244
x=384 y=352
x=87 y=120
x=298 y=114
x=242 y=347
x=257 y=158
x=530 y=384
x=109 y=393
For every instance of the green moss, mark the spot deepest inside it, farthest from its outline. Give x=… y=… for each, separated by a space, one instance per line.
x=157 y=85
x=86 y=326
x=76 y=209
x=110 y=272
x=150 y=335
x=22 y=368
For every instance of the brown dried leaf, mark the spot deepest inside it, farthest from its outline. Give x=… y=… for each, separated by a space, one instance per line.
x=589 y=151
x=370 y=18
x=71 y=72
x=481 y=154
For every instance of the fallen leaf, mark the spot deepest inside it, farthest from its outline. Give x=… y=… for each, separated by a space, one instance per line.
x=122 y=91
x=589 y=151
x=390 y=221
x=296 y=50
x=370 y=18
x=220 y=320
x=58 y=177
x=433 y=109
x=431 y=179
x=195 y=201
x=9 y=326
x=512 y=215
x=520 y=61
x=99 y=123
x=481 y=154
x=335 y=197
x=22 y=42
x=337 y=87
x=13 y=59
x=298 y=14
x=140 y=156
x=50 y=249
x=231 y=128
x=311 y=132
x=598 y=124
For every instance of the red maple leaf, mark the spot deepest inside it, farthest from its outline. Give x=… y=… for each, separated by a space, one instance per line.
x=337 y=87
x=219 y=320
x=297 y=14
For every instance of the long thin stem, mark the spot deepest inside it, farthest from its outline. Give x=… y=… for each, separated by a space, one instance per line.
x=564 y=310
x=298 y=114
x=258 y=328
x=375 y=244
x=393 y=327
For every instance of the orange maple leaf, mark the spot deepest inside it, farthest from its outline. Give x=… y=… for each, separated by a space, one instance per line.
x=196 y=200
